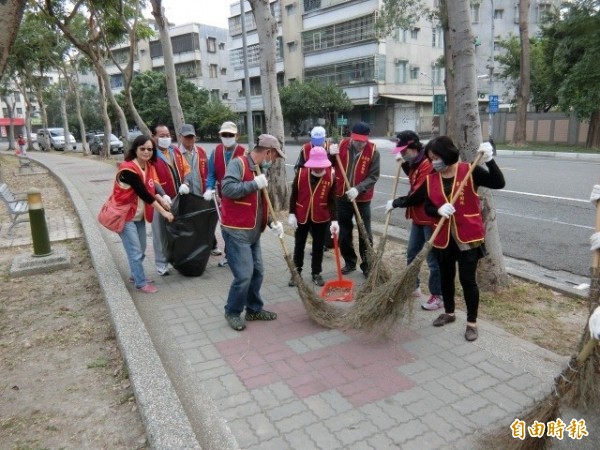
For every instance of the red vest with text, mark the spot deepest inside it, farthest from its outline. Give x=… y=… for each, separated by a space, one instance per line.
x=128 y=196
x=416 y=177
x=165 y=173
x=312 y=202
x=201 y=166
x=466 y=222
x=361 y=169
x=221 y=165
x=242 y=213
x=306 y=148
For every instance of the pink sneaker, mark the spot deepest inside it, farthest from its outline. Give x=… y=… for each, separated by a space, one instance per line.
x=434 y=302
x=148 y=289
x=417 y=293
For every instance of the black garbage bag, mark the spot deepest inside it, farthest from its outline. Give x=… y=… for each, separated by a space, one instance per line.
x=188 y=240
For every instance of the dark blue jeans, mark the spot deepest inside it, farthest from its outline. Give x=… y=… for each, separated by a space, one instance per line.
x=245 y=262
x=345 y=213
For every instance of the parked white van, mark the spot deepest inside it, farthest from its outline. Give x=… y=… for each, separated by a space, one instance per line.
x=54 y=138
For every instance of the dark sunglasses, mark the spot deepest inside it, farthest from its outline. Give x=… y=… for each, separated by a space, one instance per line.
x=227 y=135
x=146 y=149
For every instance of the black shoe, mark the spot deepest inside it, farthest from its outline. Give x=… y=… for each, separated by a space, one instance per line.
x=347 y=269
x=263 y=315
x=235 y=322
x=291 y=283
x=318 y=279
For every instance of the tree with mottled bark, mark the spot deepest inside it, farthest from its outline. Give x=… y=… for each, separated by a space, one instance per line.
x=523 y=87
x=11 y=12
x=165 y=40
x=266 y=26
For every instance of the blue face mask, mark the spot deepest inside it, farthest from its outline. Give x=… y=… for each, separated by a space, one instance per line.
x=409 y=158
x=265 y=165
x=438 y=165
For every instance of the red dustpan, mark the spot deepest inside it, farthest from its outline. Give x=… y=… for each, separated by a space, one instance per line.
x=337 y=290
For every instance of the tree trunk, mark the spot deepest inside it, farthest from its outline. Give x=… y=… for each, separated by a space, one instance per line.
x=28 y=109
x=11 y=12
x=63 y=112
x=10 y=112
x=593 y=136
x=266 y=26
x=75 y=88
x=466 y=131
x=449 y=69
x=519 y=135
x=165 y=40
x=105 y=152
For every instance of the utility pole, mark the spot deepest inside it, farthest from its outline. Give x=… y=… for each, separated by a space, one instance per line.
x=491 y=82
x=247 y=79
x=432 y=103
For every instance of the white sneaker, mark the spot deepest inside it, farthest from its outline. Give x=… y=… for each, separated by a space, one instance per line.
x=223 y=262
x=417 y=293
x=163 y=271
x=434 y=302
x=215 y=252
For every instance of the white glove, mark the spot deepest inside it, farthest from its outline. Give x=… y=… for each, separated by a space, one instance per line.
x=352 y=193
x=334 y=149
x=399 y=157
x=167 y=199
x=184 y=189
x=487 y=150
x=292 y=221
x=209 y=194
x=595 y=195
x=446 y=210
x=389 y=206
x=261 y=181
x=594 y=324
x=334 y=228
x=595 y=241
x=277 y=228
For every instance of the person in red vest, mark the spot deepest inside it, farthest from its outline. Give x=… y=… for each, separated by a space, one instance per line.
x=360 y=159
x=217 y=164
x=21 y=143
x=461 y=239
x=134 y=184
x=411 y=153
x=312 y=205
x=244 y=216
x=196 y=158
x=172 y=171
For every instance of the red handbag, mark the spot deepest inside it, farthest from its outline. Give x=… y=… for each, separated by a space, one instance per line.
x=112 y=215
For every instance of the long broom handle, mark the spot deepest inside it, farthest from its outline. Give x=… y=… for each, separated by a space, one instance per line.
x=458 y=191
x=596 y=257
x=389 y=214
x=347 y=183
x=271 y=211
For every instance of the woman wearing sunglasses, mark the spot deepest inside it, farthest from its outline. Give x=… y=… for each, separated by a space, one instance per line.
x=135 y=184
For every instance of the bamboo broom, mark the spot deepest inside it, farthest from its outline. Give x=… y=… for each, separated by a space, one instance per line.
x=389 y=302
x=577 y=385
x=321 y=312
x=378 y=273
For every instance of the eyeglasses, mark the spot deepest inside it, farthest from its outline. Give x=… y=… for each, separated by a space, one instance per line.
x=146 y=149
x=227 y=135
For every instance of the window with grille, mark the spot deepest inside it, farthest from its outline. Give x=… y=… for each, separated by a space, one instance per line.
x=414 y=72
x=414 y=33
x=236 y=56
x=213 y=71
x=437 y=37
x=310 y=5
x=543 y=11
x=190 y=69
x=498 y=14
x=400 y=72
x=344 y=73
x=211 y=45
x=350 y=32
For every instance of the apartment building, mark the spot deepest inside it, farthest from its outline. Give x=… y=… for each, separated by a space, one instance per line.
x=199 y=52
x=391 y=80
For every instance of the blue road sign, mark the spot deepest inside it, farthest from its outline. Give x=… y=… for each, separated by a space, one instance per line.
x=493 y=104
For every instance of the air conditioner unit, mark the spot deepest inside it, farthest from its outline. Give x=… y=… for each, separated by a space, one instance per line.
x=399 y=60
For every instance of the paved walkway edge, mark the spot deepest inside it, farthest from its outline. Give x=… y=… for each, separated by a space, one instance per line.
x=166 y=423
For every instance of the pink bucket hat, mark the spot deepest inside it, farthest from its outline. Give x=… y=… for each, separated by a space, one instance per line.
x=317 y=159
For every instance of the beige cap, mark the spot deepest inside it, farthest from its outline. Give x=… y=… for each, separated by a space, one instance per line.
x=268 y=141
x=228 y=127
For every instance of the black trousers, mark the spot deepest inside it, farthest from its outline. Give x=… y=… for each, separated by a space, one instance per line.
x=345 y=213
x=318 y=231
x=467 y=275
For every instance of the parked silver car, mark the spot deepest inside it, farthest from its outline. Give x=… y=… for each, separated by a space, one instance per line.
x=54 y=138
x=96 y=143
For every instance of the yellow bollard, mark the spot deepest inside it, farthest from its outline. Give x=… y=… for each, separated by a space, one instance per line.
x=37 y=221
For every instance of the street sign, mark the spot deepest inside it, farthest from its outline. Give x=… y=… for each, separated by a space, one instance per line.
x=341 y=121
x=439 y=104
x=493 y=104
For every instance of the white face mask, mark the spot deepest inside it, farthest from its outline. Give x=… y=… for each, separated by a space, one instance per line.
x=228 y=142
x=318 y=173
x=164 y=142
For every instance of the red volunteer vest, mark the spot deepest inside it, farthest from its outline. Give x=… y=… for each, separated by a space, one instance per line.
x=241 y=213
x=416 y=177
x=466 y=221
x=221 y=165
x=360 y=171
x=128 y=196
x=201 y=166
x=306 y=148
x=312 y=203
x=165 y=173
